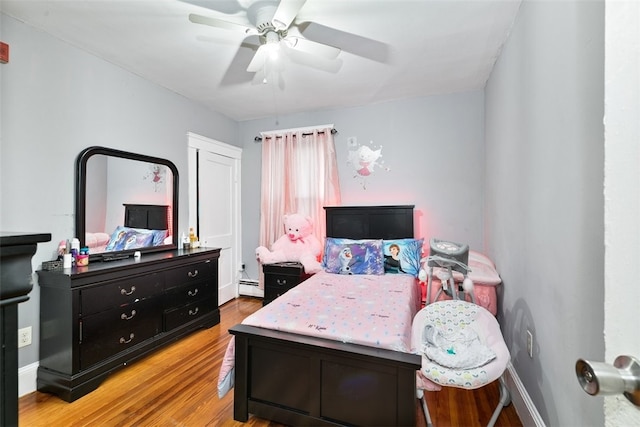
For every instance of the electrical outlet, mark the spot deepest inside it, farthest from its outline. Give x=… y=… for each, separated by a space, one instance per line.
x=24 y=336
x=530 y=343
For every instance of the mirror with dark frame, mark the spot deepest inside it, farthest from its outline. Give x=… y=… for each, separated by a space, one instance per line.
x=125 y=202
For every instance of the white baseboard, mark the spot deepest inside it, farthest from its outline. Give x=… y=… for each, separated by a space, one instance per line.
x=27 y=379
x=251 y=291
x=521 y=400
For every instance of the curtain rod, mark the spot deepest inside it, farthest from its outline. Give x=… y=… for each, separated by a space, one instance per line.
x=333 y=132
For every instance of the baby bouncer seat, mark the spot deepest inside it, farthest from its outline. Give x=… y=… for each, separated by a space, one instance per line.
x=444 y=258
x=460 y=342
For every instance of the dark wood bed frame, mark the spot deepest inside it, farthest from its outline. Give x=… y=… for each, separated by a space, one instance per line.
x=299 y=380
x=151 y=217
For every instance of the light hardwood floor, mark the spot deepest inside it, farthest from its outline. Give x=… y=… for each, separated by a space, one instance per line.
x=177 y=386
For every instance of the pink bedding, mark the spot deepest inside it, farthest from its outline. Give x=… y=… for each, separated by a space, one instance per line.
x=96 y=242
x=375 y=311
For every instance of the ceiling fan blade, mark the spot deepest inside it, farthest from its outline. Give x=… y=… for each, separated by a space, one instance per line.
x=228 y=7
x=314 y=61
x=219 y=23
x=257 y=62
x=286 y=13
x=235 y=73
x=259 y=78
x=314 y=48
x=348 y=42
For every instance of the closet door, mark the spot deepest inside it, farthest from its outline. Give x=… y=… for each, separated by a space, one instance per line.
x=215 y=207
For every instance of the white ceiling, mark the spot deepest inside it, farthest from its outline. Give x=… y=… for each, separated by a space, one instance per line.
x=391 y=49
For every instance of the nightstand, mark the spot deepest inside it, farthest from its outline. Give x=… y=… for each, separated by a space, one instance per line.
x=280 y=277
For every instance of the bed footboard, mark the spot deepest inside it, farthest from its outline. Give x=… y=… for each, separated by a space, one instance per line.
x=299 y=380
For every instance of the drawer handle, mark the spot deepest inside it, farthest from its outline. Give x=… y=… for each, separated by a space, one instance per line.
x=281 y=282
x=194 y=274
x=127 y=341
x=193 y=312
x=193 y=293
x=123 y=316
x=124 y=292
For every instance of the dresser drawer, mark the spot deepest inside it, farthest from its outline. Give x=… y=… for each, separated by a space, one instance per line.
x=181 y=315
x=191 y=273
x=281 y=282
x=120 y=292
x=177 y=297
x=271 y=293
x=279 y=278
x=110 y=332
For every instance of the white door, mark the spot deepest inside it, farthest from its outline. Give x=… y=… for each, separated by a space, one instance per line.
x=215 y=206
x=622 y=196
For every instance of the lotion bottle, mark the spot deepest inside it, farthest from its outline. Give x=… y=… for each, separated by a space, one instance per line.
x=75 y=248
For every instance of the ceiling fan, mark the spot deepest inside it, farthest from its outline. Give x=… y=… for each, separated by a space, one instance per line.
x=272 y=20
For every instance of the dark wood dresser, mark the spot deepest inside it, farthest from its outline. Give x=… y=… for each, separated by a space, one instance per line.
x=280 y=277
x=99 y=318
x=16 y=251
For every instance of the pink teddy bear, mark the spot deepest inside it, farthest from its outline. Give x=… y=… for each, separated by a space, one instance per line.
x=298 y=244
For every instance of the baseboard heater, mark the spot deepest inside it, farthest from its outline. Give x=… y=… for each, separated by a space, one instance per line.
x=249 y=282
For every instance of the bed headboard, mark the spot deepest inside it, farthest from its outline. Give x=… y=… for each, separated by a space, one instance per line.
x=370 y=222
x=151 y=217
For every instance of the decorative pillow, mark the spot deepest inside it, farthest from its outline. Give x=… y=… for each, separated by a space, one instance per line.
x=483 y=270
x=159 y=237
x=346 y=256
x=402 y=256
x=480 y=258
x=124 y=238
x=95 y=240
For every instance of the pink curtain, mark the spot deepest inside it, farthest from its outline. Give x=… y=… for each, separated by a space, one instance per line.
x=299 y=175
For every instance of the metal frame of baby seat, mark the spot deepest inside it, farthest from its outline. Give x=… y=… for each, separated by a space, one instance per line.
x=455 y=260
x=505 y=400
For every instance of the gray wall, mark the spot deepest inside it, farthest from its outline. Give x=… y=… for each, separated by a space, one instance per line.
x=433 y=148
x=544 y=200
x=58 y=100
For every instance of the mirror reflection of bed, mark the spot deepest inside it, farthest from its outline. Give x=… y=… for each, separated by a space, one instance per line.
x=143 y=226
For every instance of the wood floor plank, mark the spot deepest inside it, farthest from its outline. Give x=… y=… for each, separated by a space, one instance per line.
x=177 y=386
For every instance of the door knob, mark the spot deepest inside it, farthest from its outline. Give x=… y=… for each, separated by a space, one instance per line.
x=605 y=379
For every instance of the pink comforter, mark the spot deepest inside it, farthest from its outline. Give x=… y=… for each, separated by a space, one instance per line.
x=375 y=311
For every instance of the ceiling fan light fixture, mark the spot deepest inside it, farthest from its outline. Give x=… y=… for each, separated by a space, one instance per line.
x=273 y=51
x=272 y=45
x=271 y=20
